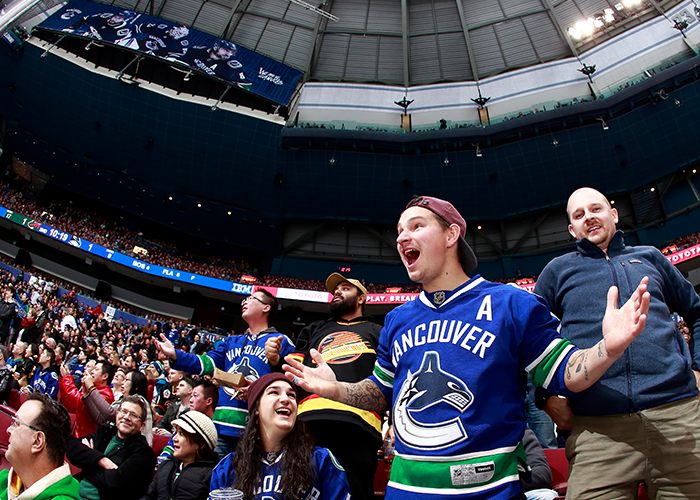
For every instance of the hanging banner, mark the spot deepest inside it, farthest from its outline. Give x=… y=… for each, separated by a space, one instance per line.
x=179 y=44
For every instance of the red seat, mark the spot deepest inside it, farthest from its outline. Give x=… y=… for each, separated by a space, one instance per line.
x=380 y=479
x=15 y=400
x=642 y=492
x=5 y=422
x=159 y=442
x=556 y=458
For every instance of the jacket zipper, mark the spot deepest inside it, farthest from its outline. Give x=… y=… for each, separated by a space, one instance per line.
x=628 y=363
x=627 y=356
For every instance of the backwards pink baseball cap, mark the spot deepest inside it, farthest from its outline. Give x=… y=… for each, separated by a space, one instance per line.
x=445 y=210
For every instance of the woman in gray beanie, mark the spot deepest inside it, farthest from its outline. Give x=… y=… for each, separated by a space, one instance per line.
x=187 y=474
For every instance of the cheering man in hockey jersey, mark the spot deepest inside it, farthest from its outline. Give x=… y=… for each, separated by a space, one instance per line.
x=453 y=365
x=245 y=354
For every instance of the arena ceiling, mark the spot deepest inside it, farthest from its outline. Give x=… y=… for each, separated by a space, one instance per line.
x=407 y=42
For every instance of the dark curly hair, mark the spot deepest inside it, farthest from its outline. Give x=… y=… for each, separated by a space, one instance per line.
x=297 y=463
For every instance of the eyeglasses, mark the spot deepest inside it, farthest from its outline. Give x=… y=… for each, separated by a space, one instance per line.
x=16 y=422
x=130 y=414
x=250 y=297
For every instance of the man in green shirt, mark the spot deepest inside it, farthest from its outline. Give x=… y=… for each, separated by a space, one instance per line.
x=39 y=436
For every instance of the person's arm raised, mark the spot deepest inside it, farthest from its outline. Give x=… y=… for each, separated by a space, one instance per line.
x=620 y=327
x=321 y=380
x=166 y=347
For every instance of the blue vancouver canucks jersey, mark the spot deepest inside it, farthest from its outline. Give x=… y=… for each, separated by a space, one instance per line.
x=454 y=366
x=330 y=481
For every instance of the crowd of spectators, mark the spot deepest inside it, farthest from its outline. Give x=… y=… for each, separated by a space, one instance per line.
x=96 y=229
x=442 y=125
x=681 y=243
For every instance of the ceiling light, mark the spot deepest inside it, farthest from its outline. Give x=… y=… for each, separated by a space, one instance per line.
x=574 y=33
x=585 y=27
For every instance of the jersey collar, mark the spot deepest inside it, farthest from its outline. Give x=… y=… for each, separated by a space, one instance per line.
x=436 y=300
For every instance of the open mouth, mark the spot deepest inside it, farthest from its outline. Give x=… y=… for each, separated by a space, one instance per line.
x=411 y=255
x=286 y=412
x=594 y=228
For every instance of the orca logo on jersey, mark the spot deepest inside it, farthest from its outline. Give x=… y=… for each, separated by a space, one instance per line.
x=249 y=373
x=428 y=388
x=343 y=347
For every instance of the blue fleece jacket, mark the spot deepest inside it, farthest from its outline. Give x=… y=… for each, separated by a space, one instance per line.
x=657 y=367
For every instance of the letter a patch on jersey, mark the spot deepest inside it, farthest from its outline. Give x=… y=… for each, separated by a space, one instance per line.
x=424 y=413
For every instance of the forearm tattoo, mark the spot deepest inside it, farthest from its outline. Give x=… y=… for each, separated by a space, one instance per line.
x=364 y=395
x=577 y=362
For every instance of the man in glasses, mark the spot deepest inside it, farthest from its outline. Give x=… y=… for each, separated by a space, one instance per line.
x=244 y=354
x=117 y=461
x=38 y=439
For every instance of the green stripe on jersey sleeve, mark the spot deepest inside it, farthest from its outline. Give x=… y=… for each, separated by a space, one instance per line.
x=207 y=364
x=230 y=417
x=542 y=372
x=385 y=378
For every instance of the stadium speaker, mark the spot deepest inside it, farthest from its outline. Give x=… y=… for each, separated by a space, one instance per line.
x=103 y=290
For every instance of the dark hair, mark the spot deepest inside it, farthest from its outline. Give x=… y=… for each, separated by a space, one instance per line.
x=52 y=354
x=188 y=381
x=107 y=368
x=34 y=349
x=54 y=422
x=271 y=301
x=136 y=401
x=209 y=390
x=203 y=450
x=415 y=201
x=297 y=468
x=139 y=383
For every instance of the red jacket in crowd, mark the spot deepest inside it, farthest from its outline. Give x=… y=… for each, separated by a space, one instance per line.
x=72 y=399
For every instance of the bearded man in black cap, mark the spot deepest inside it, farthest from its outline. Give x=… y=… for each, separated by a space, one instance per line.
x=348 y=343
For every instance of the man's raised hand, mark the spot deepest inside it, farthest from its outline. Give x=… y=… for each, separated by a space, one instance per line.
x=320 y=380
x=273 y=346
x=621 y=326
x=166 y=347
